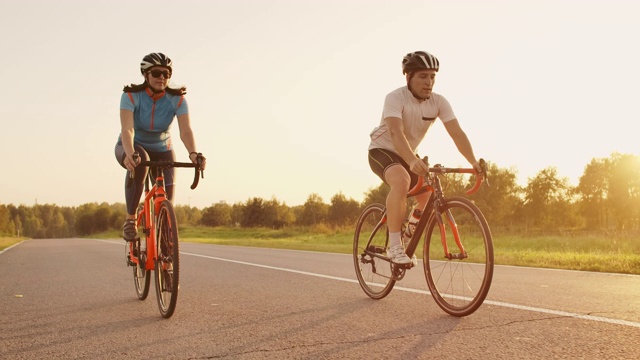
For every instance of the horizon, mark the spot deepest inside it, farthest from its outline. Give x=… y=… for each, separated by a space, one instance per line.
x=325 y=200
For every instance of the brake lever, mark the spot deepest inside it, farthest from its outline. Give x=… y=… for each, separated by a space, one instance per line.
x=485 y=173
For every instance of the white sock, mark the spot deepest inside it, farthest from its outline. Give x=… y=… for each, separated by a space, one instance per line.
x=395 y=239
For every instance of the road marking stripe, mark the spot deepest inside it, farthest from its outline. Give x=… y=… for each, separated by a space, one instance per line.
x=418 y=291
x=16 y=244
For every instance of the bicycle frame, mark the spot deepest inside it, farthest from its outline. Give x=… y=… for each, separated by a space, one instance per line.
x=153 y=199
x=154 y=196
x=431 y=183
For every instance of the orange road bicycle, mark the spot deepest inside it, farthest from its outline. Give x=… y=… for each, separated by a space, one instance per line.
x=158 y=250
x=457 y=253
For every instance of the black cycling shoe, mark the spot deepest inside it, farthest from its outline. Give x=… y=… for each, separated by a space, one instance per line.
x=129 y=230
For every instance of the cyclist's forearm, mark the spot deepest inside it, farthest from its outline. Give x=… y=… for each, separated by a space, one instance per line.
x=188 y=140
x=401 y=145
x=464 y=147
x=127 y=141
x=461 y=140
x=186 y=134
x=399 y=140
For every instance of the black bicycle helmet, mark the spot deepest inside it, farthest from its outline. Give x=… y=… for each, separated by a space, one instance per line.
x=155 y=59
x=419 y=60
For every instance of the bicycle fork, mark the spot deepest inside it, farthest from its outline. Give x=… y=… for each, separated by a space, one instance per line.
x=454 y=231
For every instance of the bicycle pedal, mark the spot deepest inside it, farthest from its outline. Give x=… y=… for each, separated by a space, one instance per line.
x=405 y=266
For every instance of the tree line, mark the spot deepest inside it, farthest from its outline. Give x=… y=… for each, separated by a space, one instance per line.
x=607 y=198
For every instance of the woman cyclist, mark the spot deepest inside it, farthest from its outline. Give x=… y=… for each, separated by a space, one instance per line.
x=146 y=113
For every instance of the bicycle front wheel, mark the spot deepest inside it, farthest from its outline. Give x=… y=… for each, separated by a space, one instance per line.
x=370 y=241
x=167 y=268
x=458 y=256
x=141 y=276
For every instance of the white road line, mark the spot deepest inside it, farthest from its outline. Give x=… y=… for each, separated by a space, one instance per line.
x=489 y=302
x=16 y=244
x=417 y=291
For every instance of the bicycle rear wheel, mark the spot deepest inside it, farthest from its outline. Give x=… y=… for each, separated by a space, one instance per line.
x=373 y=270
x=167 y=268
x=458 y=281
x=141 y=276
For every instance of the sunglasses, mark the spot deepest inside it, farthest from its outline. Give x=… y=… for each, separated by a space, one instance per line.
x=156 y=73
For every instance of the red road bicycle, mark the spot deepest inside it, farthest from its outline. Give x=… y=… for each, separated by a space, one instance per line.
x=158 y=250
x=457 y=253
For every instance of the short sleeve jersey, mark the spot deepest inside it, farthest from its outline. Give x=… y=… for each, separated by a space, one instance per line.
x=417 y=117
x=152 y=117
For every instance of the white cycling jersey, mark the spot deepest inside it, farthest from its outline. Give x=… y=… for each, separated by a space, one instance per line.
x=417 y=117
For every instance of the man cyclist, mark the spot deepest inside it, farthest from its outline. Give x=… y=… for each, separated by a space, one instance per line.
x=407 y=115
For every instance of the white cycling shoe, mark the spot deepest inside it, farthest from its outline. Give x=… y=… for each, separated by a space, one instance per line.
x=398 y=256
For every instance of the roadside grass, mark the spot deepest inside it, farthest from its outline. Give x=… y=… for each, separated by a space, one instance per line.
x=616 y=254
x=5 y=242
x=319 y=239
x=586 y=252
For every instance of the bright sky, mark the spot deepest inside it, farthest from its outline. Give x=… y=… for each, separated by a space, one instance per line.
x=283 y=93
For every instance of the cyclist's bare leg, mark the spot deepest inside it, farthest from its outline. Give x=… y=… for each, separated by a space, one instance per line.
x=399 y=180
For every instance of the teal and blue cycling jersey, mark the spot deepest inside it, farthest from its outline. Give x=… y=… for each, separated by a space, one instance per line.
x=152 y=117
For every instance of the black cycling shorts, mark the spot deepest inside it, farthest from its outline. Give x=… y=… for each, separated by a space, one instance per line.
x=381 y=159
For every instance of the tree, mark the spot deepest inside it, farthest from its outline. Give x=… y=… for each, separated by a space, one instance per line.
x=500 y=197
x=216 y=215
x=624 y=191
x=237 y=211
x=547 y=200
x=5 y=218
x=376 y=195
x=33 y=227
x=187 y=215
x=343 y=211
x=592 y=189
x=253 y=213
x=101 y=218
x=314 y=211
x=276 y=214
x=18 y=225
x=84 y=224
x=57 y=227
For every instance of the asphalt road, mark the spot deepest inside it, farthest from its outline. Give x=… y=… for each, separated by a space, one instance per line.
x=74 y=298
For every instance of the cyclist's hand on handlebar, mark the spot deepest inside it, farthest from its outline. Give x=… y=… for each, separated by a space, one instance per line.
x=481 y=167
x=131 y=161
x=419 y=167
x=198 y=158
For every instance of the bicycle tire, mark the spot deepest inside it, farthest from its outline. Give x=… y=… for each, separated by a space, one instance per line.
x=370 y=241
x=167 y=266
x=141 y=276
x=458 y=286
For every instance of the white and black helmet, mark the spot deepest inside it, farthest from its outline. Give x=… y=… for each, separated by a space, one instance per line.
x=155 y=59
x=419 y=60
